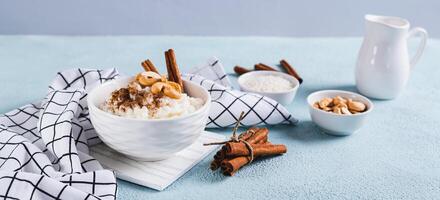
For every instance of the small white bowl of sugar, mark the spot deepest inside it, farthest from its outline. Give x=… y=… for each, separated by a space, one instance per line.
x=277 y=85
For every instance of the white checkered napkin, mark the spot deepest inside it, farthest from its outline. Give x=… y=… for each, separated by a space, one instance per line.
x=227 y=105
x=44 y=146
x=213 y=70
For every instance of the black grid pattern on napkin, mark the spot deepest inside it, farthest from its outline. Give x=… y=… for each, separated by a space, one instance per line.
x=59 y=131
x=214 y=71
x=44 y=187
x=82 y=78
x=43 y=147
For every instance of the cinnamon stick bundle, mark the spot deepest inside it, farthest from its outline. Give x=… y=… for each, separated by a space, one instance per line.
x=172 y=68
x=220 y=155
x=290 y=70
x=232 y=165
x=251 y=144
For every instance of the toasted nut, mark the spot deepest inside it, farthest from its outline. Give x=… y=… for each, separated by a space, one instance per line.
x=175 y=85
x=339 y=100
x=325 y=102
x=171 y=92
x=326 y=109
x=157 y=87
x=316 y=105
x=342 y=105
x=169 y=89
x=337 y=110
x=345 y=111
x=356 y=106
x=148 y=78
x=163 y=78
x=152 y=74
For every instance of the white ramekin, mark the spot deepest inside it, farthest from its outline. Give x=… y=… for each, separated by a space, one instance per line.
x=336 y=124
x=285 y=97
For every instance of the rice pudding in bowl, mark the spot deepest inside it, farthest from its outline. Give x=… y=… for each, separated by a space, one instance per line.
x=142 y=101
x=158 y=129
x=277 y=85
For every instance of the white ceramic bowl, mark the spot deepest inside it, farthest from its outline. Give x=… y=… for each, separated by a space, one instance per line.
x=284 y=98
x=147 y=139
x=338 y=124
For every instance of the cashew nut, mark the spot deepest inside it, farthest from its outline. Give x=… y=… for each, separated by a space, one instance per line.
x=175 y=85
x=345 y=111
x=171 y=92
x=337 y=110
x=325 y=102
x=148 y=78
x=163 y=78
x=157 y=87
x=339 y=100
x=316 y=105
x=169 y=89
x=356 y=106
x=340 y=105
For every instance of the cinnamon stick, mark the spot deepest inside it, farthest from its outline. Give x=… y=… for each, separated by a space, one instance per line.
x=240 y=70
x=231 y=166
x=145 y=66
x=240 y=149
x=172 y=68
x=290 y=70
x=169 y=69
x=259 y=135
x=261 y=66
x=149 y=66
x=218 y=158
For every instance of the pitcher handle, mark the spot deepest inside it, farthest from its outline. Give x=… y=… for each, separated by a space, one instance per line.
x=424 y=37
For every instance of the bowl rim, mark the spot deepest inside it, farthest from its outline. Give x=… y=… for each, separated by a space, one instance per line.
x=266 y=72
x=363 y=99
x=90 y=104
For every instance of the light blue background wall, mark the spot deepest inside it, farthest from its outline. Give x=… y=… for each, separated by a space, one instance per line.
x=207 y=17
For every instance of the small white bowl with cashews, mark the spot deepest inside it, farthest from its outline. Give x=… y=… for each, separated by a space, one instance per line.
x=337 y=118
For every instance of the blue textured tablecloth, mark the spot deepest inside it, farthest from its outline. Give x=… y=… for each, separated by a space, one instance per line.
x=396 y=155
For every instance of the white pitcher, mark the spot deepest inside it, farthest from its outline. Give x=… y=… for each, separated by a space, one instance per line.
x=383 y=65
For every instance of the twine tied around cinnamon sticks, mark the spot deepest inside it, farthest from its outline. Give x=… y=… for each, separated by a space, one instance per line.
x=236 y=138
x=242 y=149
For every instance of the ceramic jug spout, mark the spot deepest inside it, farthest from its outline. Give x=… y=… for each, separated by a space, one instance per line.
x=388 y=21
x=386 y=27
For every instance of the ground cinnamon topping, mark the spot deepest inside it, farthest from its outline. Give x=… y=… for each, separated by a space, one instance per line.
x=134 y=96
